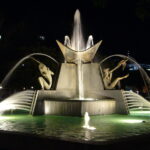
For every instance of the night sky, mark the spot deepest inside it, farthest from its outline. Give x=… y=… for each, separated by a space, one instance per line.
x=123 y=25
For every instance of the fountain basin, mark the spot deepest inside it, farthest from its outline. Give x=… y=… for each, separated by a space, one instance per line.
x=65 y=103
x=79 y=107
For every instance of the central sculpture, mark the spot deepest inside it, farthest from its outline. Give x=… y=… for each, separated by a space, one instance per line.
x=77 y=52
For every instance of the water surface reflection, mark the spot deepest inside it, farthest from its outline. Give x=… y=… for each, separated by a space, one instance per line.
x=109 y=127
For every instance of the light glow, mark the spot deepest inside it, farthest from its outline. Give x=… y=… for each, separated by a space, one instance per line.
x=6 y=106
x=139 y=112
x=132 y=121
x=5 y=117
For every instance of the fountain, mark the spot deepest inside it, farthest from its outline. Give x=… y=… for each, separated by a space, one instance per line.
x=79 y=86
x=86 y=122
x=82 y=85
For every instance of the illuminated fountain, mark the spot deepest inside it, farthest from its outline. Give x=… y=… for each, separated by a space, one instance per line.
x=82 y=85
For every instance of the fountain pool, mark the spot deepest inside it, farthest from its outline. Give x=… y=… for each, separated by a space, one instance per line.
x=111 y=131
x=108 y=127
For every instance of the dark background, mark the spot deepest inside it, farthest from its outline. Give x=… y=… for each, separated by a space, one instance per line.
x=123 y=25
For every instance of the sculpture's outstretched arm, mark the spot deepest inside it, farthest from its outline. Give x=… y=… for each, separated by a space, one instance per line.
x=122 y=62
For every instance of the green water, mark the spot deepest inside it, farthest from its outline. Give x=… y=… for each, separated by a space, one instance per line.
x=108 y=127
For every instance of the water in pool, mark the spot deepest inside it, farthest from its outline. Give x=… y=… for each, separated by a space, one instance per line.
x=108 y=127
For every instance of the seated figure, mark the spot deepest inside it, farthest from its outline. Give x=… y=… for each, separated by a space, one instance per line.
x=46 y=79
x=107 y=76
